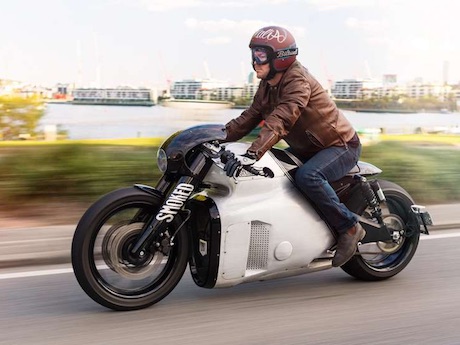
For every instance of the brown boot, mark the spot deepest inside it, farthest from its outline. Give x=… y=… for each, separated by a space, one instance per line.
x=347 y=244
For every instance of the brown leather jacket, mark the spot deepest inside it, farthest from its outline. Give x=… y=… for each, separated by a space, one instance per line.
x=297 y=110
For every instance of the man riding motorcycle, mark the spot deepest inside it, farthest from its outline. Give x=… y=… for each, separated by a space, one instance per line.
x=293 y=106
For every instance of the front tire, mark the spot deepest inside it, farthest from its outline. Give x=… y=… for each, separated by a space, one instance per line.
x=100 y=255
x=390 y=258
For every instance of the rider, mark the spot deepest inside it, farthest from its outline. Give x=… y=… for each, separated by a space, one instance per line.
x=293 y=106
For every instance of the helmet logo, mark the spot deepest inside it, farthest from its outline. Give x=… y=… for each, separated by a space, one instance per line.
x=271 y=34
x=286 y=53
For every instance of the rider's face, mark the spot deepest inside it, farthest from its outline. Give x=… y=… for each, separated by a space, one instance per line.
x=262 y=70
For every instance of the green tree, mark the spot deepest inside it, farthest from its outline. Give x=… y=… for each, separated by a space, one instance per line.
x=19 y=115
x=242 y=101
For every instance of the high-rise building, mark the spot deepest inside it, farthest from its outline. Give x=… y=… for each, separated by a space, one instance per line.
x=390 y=79
x=445 y=72
x=354 y=88
x=194 y=88
x=252 y=78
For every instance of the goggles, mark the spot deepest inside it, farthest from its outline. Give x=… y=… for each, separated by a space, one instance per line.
x=260 y=56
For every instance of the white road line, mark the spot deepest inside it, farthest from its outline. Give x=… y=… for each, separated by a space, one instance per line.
x=14 y=275
x=7 y=243
x=38 y=273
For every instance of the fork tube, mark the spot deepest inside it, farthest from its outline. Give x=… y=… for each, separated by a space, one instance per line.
x=199 y=168
x=163 y=185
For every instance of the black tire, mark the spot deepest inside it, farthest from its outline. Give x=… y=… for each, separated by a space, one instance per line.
x=383 y=266
x=102 y=236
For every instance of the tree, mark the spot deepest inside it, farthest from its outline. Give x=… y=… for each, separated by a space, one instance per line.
x=19 y=115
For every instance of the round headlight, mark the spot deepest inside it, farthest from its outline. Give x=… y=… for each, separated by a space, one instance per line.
x=162 y=160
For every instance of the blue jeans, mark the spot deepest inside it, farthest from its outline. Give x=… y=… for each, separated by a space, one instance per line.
x=329 y=165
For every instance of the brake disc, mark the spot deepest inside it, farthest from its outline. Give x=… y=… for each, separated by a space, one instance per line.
x=114 y=243
x=396 y=224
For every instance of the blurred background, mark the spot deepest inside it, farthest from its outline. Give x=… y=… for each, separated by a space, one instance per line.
x=90 y=89
x=73 y=154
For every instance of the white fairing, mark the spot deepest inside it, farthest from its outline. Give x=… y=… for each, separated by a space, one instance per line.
x=268 y=228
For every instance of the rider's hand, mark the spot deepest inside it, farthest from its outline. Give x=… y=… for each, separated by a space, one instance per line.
x=235 y=163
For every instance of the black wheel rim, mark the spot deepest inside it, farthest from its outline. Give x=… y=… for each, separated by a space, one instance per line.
x=118 y=281
x=389 y=262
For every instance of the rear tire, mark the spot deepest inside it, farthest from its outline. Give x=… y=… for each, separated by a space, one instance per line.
x=100 y=246
x=395 y=257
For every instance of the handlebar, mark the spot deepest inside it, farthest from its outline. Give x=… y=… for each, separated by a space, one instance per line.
x=225 y=156
x=265 y=172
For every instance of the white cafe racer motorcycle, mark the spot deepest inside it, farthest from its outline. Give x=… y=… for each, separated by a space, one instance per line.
x=131 y=247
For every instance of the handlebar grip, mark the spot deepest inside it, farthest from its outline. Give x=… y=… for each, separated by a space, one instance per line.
x=252 y=170
x=266 y=172
x=225 y=156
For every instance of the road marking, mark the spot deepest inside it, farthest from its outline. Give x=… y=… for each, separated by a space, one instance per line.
x=27 y=274
x=14 y=275
x=36 y=240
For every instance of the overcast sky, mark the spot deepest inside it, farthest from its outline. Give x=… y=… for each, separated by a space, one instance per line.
x=146 y=42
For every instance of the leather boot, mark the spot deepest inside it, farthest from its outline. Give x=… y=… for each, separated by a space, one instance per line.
x=347 y=245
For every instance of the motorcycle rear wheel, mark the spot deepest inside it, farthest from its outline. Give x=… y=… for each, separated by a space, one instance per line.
x=393 y=257
x=100 y=252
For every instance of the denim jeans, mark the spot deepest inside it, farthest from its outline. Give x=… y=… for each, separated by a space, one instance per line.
x=313 y=177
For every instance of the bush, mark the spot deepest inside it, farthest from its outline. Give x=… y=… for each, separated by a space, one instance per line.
x=84 y=172
x=19 y=116
x=73 y=171
x=429 y=173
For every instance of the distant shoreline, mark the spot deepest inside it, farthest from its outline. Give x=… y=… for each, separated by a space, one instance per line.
x=376 y=110
x=243 y=107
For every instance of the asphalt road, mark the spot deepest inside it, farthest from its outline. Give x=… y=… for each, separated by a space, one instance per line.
x=419 y=306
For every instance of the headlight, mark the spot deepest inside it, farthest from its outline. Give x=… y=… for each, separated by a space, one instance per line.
x=162 y=160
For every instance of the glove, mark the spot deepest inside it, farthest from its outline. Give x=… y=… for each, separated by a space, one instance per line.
x=235 y=163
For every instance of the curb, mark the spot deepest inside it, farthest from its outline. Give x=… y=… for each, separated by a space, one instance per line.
x=38 y=259
x=443 y=227
x=35 y=246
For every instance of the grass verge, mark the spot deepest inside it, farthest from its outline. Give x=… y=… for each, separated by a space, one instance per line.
x=81 y=171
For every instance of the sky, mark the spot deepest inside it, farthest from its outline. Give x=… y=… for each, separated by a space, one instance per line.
x=139 y=43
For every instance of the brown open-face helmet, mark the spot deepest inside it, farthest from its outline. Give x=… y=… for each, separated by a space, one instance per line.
x=274 y=45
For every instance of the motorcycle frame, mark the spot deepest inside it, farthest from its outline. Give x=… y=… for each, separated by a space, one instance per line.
x=204 y=165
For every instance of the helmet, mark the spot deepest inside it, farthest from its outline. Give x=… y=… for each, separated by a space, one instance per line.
x=280 y=42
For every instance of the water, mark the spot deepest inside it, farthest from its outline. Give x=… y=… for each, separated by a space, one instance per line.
x=115 y=122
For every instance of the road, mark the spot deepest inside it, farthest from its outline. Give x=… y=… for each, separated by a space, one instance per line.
x=419 y=306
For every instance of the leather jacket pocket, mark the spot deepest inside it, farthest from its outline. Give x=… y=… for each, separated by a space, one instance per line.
x=314 y=139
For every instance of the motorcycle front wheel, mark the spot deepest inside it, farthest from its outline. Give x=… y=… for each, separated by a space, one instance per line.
x=100 y=252
x=378 y=261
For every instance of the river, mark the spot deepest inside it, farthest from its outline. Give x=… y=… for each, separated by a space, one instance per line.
x=115 y=122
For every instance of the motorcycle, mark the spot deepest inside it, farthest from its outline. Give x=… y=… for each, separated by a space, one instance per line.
x=131 y=247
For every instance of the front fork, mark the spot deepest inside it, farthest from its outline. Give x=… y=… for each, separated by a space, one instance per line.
x=174 y=200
